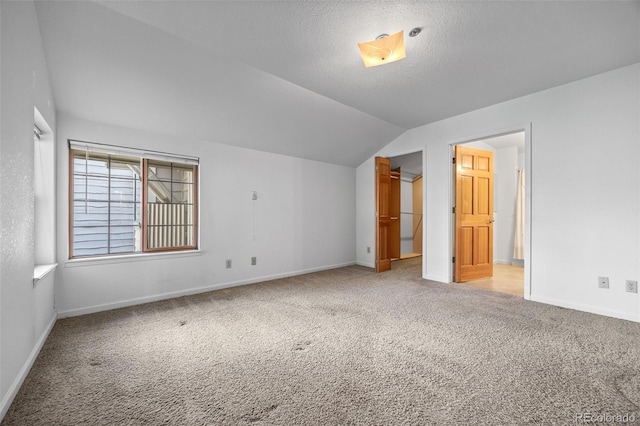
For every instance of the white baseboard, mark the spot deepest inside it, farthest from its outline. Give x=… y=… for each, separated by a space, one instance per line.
x=585 y=308
x=367 y=264
x=187 y=292
x=24 y=371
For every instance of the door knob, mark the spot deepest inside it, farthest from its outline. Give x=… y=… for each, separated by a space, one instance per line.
x=492 y=220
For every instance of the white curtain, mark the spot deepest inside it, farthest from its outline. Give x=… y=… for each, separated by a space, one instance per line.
x=518 y=243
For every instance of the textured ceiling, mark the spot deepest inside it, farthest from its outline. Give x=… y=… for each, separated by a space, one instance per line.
x=286 y=77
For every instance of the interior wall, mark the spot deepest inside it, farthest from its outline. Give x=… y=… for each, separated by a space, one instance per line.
x=480 y=145
x=27 y=312
x=365 y=213
x=583 y=184
x=302 y=221
x=505 y=195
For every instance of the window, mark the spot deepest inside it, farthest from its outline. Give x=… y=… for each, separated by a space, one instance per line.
x=169 y=203
x=128 y=201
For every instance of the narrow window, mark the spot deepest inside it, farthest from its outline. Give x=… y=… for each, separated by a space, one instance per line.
x=43 y=191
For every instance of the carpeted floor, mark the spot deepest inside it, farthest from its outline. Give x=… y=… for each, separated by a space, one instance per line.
x=337 y=347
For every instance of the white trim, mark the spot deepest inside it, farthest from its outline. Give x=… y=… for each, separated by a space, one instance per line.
x=126 y=258
x=40 y=122
x=528 y=201
x=585 y=308
x=24 y=371
x=424 y=214
x=197 y=290
x=41 y=271
x=135 y=152
x=367 y=264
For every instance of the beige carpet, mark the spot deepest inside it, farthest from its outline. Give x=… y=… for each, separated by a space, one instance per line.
x=336 y=347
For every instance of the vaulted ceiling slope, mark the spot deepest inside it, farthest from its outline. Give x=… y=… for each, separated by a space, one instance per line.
x=286 y=77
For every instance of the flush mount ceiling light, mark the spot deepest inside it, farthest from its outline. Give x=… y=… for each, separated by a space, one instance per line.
x=384 y=49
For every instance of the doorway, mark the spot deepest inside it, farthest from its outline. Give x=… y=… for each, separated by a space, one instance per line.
x=507 y=218
x=399 y=207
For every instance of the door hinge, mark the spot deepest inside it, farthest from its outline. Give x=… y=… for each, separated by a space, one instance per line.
x=453 y=259
x=454 y=160
x=453 y=209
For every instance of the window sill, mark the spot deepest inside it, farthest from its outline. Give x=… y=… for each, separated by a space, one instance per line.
x=41 y=271
x=126 y=258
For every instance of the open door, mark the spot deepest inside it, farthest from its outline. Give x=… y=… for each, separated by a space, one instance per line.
x=473 y=214
x=383 y=218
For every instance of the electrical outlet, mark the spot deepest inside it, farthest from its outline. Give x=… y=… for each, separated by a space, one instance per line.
x=368 y=249
x=254 y=195
x=631 y=286
x=603 y=282
x=228 y=263
x=254 y=261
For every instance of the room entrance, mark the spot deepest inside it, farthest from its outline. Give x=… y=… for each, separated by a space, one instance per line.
x=488 y=213
x=399 y=202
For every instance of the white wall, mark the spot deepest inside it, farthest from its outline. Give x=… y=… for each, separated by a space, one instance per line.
x=583 y=182
x=480 y=145
x=27 y=313
x=365 y=213
x=304 y=221
x=505 y=194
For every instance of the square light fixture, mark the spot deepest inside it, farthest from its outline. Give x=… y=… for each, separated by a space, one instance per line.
x=384 y=49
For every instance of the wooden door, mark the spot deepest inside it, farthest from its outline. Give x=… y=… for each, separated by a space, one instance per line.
x=473 y=214
x=383 y=218
x=394 y=213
